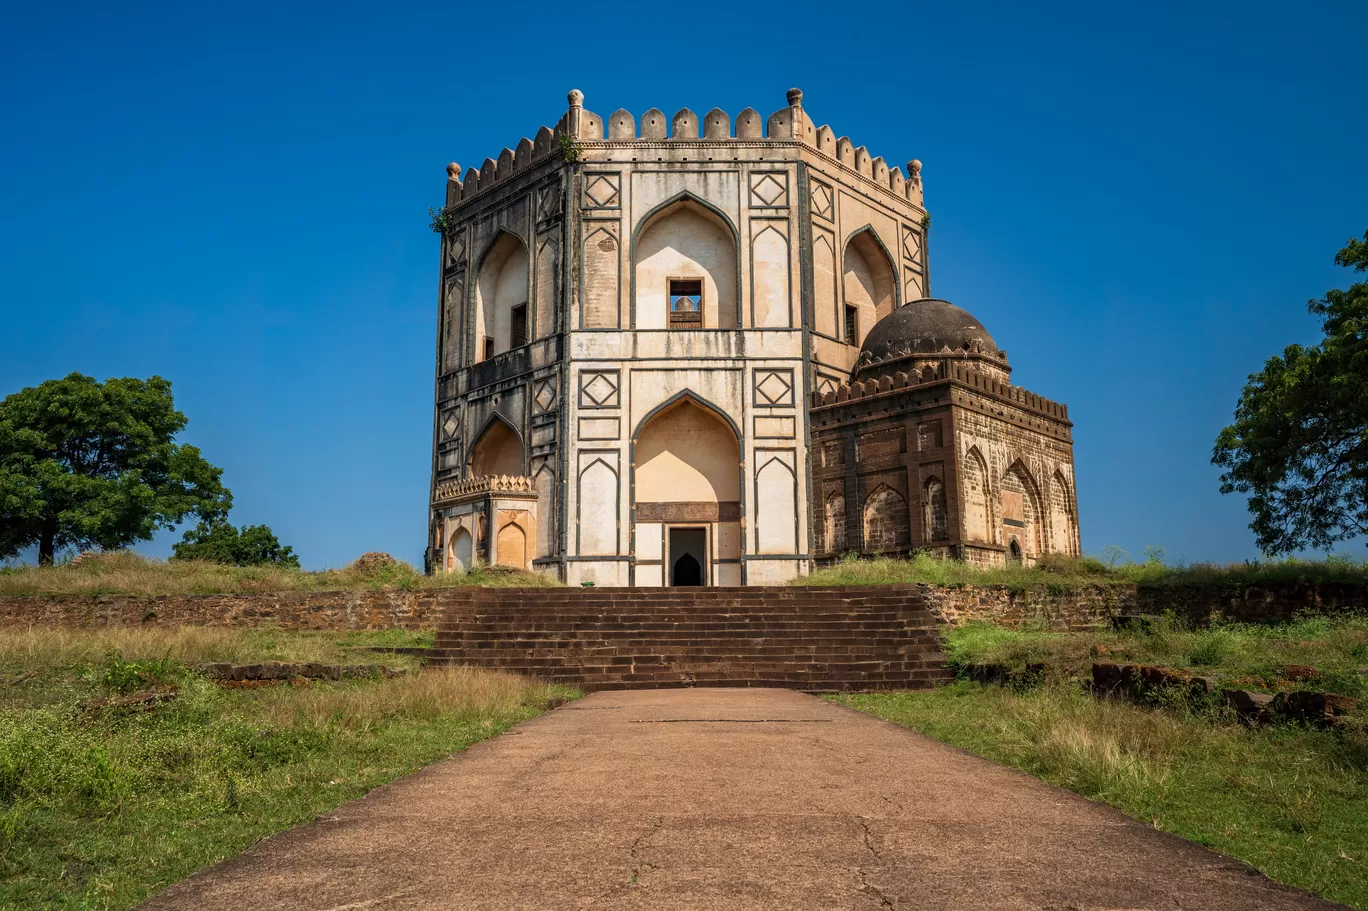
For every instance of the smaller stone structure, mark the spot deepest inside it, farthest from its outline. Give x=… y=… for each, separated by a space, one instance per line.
x=470 y=508
x=930 y=446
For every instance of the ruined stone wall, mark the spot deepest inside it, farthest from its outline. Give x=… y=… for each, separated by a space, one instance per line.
x=1086 y=607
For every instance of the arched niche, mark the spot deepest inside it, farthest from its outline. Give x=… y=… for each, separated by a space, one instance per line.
x=1063 y=522
x=501 y=313
x=685 y=241
x=687 y=453
x=885 y=520
x=935 y=518
x=1021 y=510
x=868 y=285
x=975 y=496
x=498 y=451
x=460 y=551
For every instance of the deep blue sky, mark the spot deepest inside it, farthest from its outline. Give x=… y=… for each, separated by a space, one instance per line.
x=1136 y=201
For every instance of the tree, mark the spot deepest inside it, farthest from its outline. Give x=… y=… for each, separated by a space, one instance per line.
x=88 y=464
x=220 y=542
x=1299 y=444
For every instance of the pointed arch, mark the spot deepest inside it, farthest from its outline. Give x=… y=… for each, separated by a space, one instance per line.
x=694 y=466
x=502 y=285
x=1022 y=509
x=1063 y=516
x=460 y=550
x=771 y=303
x=833 y=523
x=885 y=520
x=496 y=450
x=694 y=397
x=935 y=518
x=686 y=237
x=976 y=497
x=869 y=280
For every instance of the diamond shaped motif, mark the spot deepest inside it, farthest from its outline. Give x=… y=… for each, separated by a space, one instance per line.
x=600 y=390
x=548 y=198
x=455 y=249
x=545 y=396
x=911 y=243
x=821 y=200
x=769 y=190
x=449 y=427
x=774 y=389
x=602 y=190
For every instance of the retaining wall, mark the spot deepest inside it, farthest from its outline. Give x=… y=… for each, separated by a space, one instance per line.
x=1081 y=608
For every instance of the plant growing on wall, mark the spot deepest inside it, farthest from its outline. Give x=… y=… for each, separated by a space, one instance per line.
x=570 y=148
x=439 y=220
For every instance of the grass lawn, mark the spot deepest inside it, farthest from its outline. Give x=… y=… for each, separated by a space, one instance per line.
x=1287 y=799
x=99 y=808
x=1256 y=657
x=126 y=573
x=1060 y=574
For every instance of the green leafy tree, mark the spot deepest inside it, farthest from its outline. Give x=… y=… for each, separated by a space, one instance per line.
x=1299 y=444
x=219 y=542
x=89 y=464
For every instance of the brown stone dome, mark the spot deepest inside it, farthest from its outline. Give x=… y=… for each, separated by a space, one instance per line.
x=926 y=326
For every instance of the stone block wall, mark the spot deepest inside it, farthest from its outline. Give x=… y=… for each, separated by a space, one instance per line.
x=347 y=610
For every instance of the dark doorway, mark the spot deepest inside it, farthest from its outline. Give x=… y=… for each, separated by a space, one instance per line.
x=688 y=553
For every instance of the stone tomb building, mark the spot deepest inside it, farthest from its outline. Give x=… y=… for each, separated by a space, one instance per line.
x=683 y=351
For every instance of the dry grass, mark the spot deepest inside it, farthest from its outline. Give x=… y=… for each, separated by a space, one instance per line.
x=1289 y=800
x=433 y=694
x=46 y=650
x=126 y=573
x=1060 y=574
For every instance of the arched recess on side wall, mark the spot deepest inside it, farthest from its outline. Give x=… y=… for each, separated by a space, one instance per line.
x=885 y=520
x=501 y=288
x=1063 y=516
x=869 y=283
x=834 y=524
x=975 y=494
x=497 y=451
x=1022 y=513
x=935 y=521
x=685 y=238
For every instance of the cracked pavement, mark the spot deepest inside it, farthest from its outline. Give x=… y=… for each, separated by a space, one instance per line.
x=746 y=799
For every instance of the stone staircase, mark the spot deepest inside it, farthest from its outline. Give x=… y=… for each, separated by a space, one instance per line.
x=812 y=639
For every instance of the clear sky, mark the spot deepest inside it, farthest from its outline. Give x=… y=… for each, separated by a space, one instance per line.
x=1136 y=199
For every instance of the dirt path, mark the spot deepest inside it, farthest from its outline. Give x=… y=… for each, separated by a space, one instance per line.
x=724 y=799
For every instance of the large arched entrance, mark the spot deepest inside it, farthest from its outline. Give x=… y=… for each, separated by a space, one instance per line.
x=687 y=497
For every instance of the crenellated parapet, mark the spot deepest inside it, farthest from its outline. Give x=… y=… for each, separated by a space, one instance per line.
x=789 y=124
x=947 y=371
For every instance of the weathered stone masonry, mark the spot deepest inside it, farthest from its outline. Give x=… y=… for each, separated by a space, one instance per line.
x=870 y=637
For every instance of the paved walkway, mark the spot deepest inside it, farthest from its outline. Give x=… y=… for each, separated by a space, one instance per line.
x=724 y=799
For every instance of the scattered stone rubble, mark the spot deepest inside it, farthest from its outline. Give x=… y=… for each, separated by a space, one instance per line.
x=1138 y=681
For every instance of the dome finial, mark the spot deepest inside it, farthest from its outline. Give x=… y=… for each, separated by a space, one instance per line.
x=795 y=98
x=453 y=171
x=576 y=98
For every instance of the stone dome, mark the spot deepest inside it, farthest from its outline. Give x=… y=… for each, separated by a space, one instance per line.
x=926 y=326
